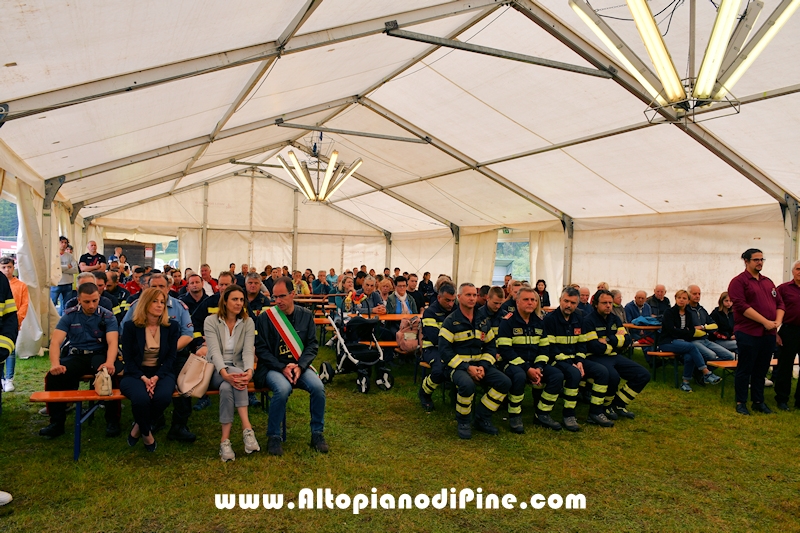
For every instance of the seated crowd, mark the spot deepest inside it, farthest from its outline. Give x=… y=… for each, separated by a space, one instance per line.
x=144 y=324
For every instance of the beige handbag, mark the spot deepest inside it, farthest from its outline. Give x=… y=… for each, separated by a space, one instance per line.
x=195 y=377
x=102 y=383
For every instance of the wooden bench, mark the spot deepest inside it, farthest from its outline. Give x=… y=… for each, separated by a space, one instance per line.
x=664 y=356
x=79 y=396
x=729 y=369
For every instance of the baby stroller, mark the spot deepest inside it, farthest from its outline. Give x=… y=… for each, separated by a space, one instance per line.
x=353 y=356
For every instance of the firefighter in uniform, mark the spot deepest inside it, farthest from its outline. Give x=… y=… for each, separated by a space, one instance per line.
x=491 y=310
x=179 y=312
x=606 y=338
x=93 y=336
x=524 y=356
x=466 y=345
x=255 y=300
x=567 y=346
x=432 y=320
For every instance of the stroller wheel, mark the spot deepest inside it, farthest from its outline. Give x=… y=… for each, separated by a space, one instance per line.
x=326 y=373
x=362 y=382
x=385 y=380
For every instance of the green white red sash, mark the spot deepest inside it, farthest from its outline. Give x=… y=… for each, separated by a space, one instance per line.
x=286 y=331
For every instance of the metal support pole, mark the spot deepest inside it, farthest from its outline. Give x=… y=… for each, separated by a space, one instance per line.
x=456 y=239
x=566 y=221
x=790 y=216
x=252 y=199
x=388 y=236
x=204 y=236
x=692 y=26
x=294 y=229
x=51 y=188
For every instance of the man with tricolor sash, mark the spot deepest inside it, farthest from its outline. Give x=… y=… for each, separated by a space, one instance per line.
x=286 y=345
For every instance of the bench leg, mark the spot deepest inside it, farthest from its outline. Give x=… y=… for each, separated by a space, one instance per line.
x=76 y=451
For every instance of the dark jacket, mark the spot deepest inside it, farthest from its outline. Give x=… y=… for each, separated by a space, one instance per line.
x=432 y=320
x=462 y=342
x=544 y=298
x=724 y=322
x=659 y=307
x=610 y=328
x=133 y=344
x=272 y=352
x=671 y=326
x=565 y=338
x=521 y=343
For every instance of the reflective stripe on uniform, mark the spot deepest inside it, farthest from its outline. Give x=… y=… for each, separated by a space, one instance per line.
x=446 y=335
x=6 y=343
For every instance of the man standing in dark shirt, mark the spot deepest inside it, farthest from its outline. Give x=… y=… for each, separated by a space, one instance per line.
x=92 y=261
x=788 y=341
x=758 y=314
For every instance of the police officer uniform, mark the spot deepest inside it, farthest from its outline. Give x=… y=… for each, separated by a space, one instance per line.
x=522 y=346
x=567 y=347
x=432 y=320
x=182 y=407
x=464 y=343
x=83 y=353
x=619 y=367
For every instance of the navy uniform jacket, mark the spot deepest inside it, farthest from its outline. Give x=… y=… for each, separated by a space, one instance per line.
x=272 y=352
x=565 y=338
x=509 y=306
x=209 y=306
x=87 y=332
x=522 y=344
x=105 y=303
x=9 y=325
x=192 y=305
x=432 y=320
x=494 y=319
x=259 y=304
x=462 y=342
x=611 y=328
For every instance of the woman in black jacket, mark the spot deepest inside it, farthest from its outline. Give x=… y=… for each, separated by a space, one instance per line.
x=677 y=332
x=149 y=348
x=541 y=290
x=723 y=316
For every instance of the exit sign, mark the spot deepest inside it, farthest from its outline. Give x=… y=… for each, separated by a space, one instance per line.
x=506 y=231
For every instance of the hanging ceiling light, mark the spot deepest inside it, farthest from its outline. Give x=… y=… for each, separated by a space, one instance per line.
x=659 y=55
x=722 y=53
x=334 y=177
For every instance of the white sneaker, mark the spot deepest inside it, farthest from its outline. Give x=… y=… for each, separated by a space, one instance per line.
x=5 y=498
x=250 y=442
x=226 y=451
x=8 y=385
x=768 y=382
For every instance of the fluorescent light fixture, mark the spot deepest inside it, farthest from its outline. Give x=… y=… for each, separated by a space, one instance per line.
x=328 y=174
x=659 y=55
x=750 y=53
x=349 y=173
x=305 y=180
x=616 y=46
x=292 y=175
x=727 y=13
x=743 y=29
x=335 y=181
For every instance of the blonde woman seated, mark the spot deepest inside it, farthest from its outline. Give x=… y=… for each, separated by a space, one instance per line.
x=230 y=337
x=149 y=349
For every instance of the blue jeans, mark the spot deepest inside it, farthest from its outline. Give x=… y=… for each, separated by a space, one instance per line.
x=11 y=362
x=65 y=291
x=281 y=389
x=711 y=350
x=691 y=356
x=729 y=345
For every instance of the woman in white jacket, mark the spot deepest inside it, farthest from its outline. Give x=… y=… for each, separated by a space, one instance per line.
x=230 y=338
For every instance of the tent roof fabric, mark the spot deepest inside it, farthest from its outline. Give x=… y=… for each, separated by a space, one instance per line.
x=505 y=144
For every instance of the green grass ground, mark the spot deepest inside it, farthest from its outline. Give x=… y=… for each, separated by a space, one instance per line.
x=687 y=463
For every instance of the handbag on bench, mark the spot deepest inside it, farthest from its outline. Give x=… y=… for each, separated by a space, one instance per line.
x=102 y=383
x=195 y=377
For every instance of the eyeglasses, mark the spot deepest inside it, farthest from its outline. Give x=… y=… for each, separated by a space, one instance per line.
x=279 y=296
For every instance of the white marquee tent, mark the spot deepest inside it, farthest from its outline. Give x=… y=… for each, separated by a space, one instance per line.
x=120 y=119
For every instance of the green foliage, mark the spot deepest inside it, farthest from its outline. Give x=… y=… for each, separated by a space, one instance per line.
x=520 y=253
x=687 y=462
x=9 y=223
